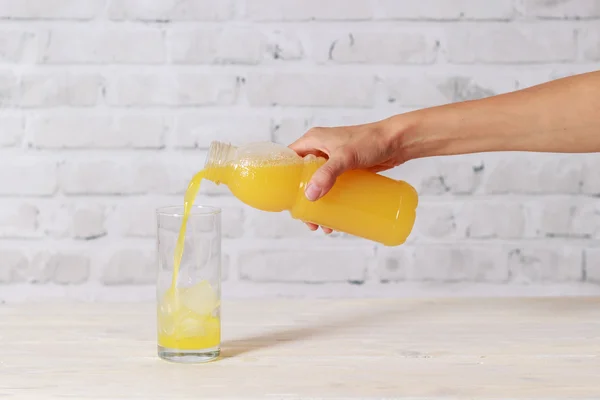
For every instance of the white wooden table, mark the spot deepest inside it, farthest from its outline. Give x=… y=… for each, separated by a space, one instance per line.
x=435 y=349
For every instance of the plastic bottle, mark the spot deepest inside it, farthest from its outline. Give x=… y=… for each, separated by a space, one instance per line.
x=272 y=177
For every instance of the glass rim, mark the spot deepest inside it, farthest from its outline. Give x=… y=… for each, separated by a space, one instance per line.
x=196 y=211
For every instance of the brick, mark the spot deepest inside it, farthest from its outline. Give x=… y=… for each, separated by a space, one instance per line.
x=310 y=90
x=141 y=131
x=487 y=220
x=374 y=47
x=461 y=175
x=445 y=10
x=106 y=46
x=394 y=264
x=570 y=217
x=11 y=131
x=13 y=266
x=590 y=43
x=185 y=89
x=138 y=219
x=28 y=176
x=50 y=9
x=512 y=175
x=70 y=268
x=443 y=263
x=432 y=185
x=18 y=220
x=278 y=225
x=592 y=265
x=130 y=266
x=420 y=91
x=58 y=89
x=284 y=45
x=566 y=9
x=535 y=175
x=158 y=175
x=88 y=222
x=55 y=220
x=9 y=88
x=309 y=266
x=288 y=129
x=98 y=177
x=531 y=263
x=61 y=268
x=557 y=217
x=435 y=221
x=560 y=175
x=164 y=176
x=198 y=131
x=97 y=131
x=231 y=45
x=458 y=175
x=586 y=222
x=16 y=46
x=590 y=183
x=171 y=10
x=512 y=44
x=427 y=91
x=68 y=131
x=305 y=10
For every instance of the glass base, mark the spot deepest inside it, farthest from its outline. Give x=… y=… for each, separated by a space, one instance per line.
x=189 y=356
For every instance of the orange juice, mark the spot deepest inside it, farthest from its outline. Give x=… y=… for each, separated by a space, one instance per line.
x=361 y=203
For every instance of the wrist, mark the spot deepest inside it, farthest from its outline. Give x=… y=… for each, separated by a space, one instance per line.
x=423 y=133
x=451 y=129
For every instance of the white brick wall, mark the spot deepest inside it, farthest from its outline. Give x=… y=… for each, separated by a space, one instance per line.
x=107 y=108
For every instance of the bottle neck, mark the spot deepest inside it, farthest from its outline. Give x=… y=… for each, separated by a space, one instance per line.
x=220 y=155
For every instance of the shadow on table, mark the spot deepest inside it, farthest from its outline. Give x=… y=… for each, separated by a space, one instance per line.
x=330 y=325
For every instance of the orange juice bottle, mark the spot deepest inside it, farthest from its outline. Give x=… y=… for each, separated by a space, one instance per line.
x=271 y=177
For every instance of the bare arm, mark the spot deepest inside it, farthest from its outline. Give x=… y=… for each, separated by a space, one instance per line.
x=562 y=116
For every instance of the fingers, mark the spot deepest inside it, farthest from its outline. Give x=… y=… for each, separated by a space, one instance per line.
x=311 y=226
x=305 y=145
x=320 y=141
x=323 y=179
x=314 y=227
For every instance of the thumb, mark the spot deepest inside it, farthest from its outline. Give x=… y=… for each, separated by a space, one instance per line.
x=323 y=179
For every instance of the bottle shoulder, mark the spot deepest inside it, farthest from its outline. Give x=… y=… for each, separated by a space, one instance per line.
x=266 y=153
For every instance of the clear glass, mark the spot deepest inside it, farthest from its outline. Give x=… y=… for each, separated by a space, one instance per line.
x=189 y=309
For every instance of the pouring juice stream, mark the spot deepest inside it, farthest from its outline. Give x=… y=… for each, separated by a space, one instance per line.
x=188 y=202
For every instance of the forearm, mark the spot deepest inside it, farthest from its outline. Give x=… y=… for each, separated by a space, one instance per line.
x=559 y=116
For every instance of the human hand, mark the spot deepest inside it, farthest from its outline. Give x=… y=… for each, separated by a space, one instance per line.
x=374 y=147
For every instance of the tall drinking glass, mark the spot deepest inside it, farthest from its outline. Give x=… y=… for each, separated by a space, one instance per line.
x=189 y=305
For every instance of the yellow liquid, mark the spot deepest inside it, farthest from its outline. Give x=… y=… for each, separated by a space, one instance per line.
x=361 y=203
x=186 y=316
